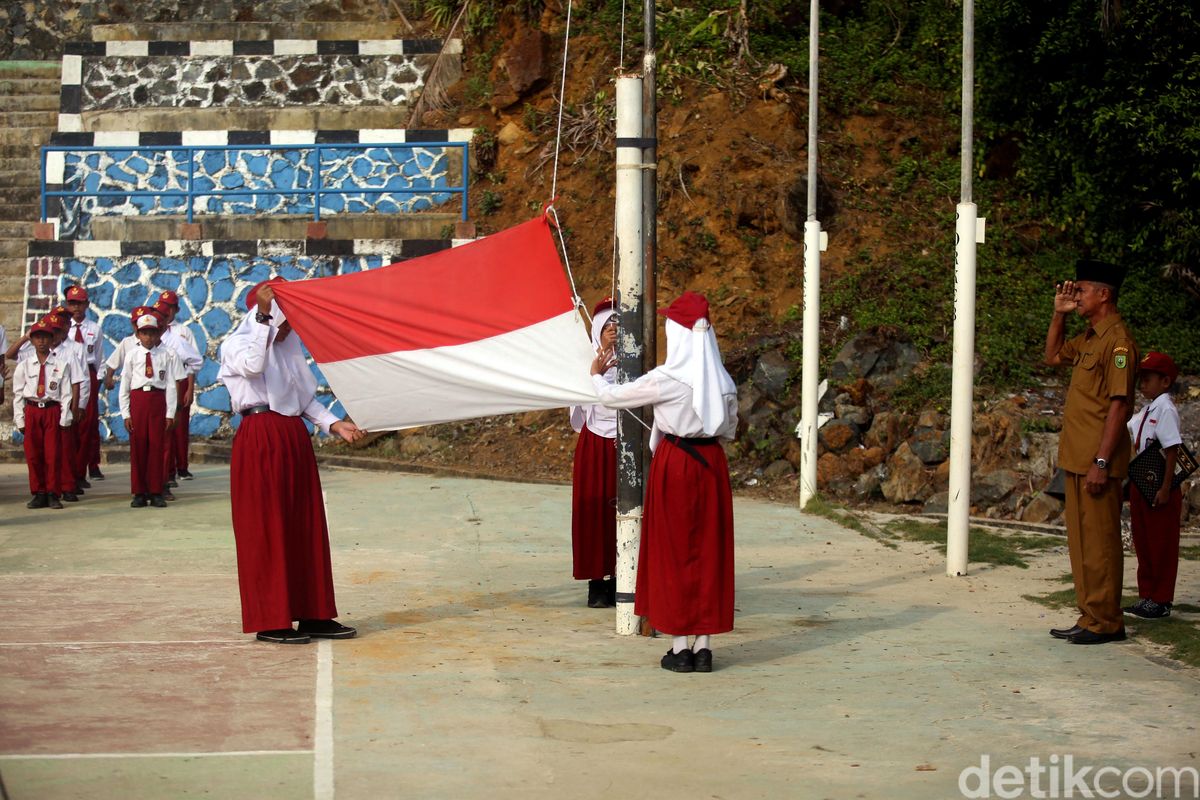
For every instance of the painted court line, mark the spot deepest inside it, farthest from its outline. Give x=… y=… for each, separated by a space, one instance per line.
x=323 y=727
x=70 y=756
x=107 y=644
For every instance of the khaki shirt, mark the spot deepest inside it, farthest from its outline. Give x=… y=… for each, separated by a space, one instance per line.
x=1104 y=360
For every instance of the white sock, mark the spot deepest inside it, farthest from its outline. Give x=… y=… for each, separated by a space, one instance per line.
x=678 y=644
x=701 y=643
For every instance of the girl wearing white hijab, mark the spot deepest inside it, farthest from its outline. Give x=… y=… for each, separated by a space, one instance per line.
x=594 y=479
x=685 y=562
x=279 y=525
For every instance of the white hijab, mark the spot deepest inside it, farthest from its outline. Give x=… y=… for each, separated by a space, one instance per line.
x=693 y=358
x=598 y=323
x=288 y=382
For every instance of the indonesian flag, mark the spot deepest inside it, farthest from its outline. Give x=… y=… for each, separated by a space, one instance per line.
x=485 y=328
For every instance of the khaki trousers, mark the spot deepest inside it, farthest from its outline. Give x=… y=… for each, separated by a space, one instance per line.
x=1097 y=560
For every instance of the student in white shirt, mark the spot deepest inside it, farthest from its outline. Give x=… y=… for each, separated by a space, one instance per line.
x=180 y=339
x=148 y=400
x=41 y=409
x=1156 y=521
x=86 y=333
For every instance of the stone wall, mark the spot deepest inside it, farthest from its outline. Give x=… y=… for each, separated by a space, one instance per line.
x=211 y=278
x=37 y=29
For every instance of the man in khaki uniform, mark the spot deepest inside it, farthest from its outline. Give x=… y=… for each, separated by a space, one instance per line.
x=1094 y=447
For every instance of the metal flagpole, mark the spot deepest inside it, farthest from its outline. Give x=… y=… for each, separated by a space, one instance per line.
x=630 y=433
x=968 y=231
x=649 y=204
x=814 y=243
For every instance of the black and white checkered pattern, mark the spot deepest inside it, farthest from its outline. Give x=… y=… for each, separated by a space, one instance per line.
x=391 y=249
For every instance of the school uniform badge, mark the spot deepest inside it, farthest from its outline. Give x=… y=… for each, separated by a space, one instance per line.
x=162 y=374
x=1120 y=361
x=53 y=386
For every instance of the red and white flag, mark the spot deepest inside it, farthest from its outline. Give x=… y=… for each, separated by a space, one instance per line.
x=486 y=328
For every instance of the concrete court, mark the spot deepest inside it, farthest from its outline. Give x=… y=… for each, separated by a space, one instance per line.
x=855 y=670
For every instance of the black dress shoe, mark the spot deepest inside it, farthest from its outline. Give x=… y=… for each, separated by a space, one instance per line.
x=187 y=476
x=52 y=501
x=610 y=591
x=83 y=483
x=1065 y=633
x=138 y=501
x=1091 y=637
x=325 y=629
x=704 y=660
x=283 y=636
x=40 y=500
x=157 y=501
x=70 y=497
x=96 y=473
x=597 y=596
x=683 y=661
x=168 y=494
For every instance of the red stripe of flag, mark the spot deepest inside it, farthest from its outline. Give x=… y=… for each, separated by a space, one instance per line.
x=503 y=282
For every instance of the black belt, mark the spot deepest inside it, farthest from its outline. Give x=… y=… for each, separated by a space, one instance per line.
x=688 y=444
x=252 y=410
x=42 y=403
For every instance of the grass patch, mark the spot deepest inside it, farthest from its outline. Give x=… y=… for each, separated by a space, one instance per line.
x=848 y=519
x=1190 y=553
x=983 y=547
x=1180 y=636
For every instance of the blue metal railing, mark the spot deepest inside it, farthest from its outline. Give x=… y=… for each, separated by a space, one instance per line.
x=314 y=159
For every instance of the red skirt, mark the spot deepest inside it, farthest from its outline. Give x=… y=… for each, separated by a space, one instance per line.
x=594 y=507
x=148 y=416
x=1156 y=542
x=284 y=571
x=685 y=562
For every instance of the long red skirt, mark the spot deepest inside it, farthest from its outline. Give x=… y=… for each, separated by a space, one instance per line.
x=1156 y=542
x=88 y=454
x=42 y=442
x=594 y=507
x=685 y=563
x=279 y=524
x=68 y=445
x=175 y=449
x=148 y=414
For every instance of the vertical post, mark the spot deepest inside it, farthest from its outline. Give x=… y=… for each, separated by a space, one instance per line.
x=963 y=364
x=630 y=434
x=812 y=286
x=649 y=205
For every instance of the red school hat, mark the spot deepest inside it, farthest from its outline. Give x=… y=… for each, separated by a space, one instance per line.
x=687 y=309
x=169 y=298
x=252 y=295
x=41 y=326
x=55 y=320
x=149 y=321
x=76 y=293
x=603 y=305
x=139 y=312
x=1161 y=363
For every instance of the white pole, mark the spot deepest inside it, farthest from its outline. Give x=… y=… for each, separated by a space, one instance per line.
x=968 y=230
x=812 y=287
x=629 y=296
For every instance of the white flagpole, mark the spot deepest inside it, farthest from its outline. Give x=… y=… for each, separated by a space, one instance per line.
x=813 y=245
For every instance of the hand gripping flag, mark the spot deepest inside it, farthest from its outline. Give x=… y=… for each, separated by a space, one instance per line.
x=485 y=328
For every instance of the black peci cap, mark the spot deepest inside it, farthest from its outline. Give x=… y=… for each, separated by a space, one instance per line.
x=1087 y=269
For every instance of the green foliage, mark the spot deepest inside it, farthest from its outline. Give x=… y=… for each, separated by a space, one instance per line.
x=490 y=202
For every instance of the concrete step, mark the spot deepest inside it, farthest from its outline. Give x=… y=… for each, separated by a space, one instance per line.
x=17 y=150
x=251 y=31
x=20 y=195
x=12 y=281
x=25 y=136
x=347 y=226
x=31 y=102
x=23 y=178
x=31 y=69
x=20 y=212
x=29 y=119
x=30 y=86
x=31 y=164
x=16 y=230
x=247 y=119
x=14 y=248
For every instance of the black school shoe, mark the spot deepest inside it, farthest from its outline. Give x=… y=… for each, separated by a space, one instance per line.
x=187 y=476
x=157 y=501
x=138 y=501
x=1091 y=637
x=83 y=483
x=1148 y=609
x=70 y=497
x=167 y=494
x=95 y=474
x=52 y=501
x=597 y=595
x=684 y=661
x=704 y=660
x=1065 y=633
x=40 y=500
x=325 y=629
x=282 y=636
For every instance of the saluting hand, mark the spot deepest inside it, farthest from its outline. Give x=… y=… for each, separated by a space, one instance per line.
x=1066 y=297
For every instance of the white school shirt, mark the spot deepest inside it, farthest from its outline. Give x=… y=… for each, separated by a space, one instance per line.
x=672 y=402
x=243 y=374
x=1162 y=423
x=165 y=368
x=93 y=342
x=77 y=356
x=181 y=340
x=58 y=387
x=598 y=419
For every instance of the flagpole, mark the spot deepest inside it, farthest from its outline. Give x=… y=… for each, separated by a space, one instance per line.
x=649 y=207
x=630 y=254
x=813 y=245
x=968 y=231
